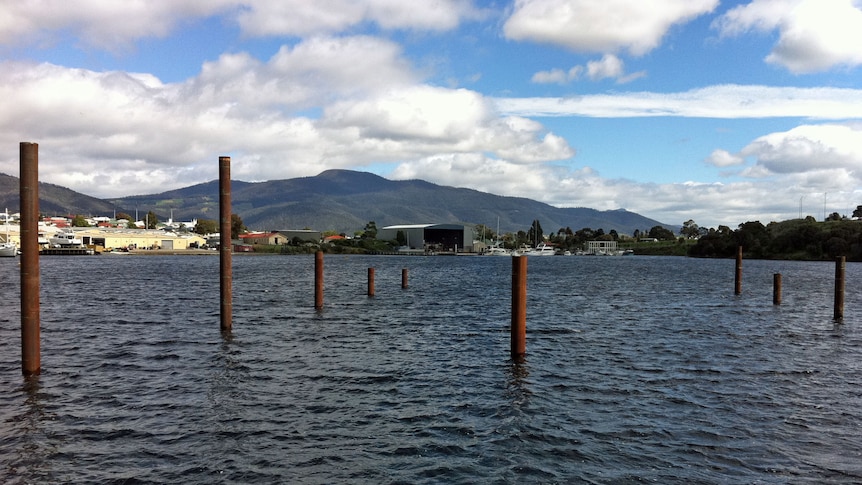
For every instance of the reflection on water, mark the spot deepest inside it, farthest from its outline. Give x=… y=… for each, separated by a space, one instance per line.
x=637 y=369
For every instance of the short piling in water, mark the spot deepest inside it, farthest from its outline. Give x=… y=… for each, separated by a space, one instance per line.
x=370 y=281
x=519 y=308
x=404 y=278
x=738 y=280
x=225 y=245
x=318 y=280
x=840 y=266
x=31 y=357
x=776 y=289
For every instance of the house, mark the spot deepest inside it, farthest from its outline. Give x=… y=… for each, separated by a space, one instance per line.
x=271 y=238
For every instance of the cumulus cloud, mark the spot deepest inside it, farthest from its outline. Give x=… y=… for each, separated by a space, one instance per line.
x=723 y=158
x=605 y=27
x=809 y=148
x=116 y=25
x=109 y=133
x=609 y=66
x=813 y=35
x=669 y=203
x=422 y=119
x=107 y=25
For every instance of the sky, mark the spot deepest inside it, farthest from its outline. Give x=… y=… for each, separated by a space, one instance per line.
x=720 y=112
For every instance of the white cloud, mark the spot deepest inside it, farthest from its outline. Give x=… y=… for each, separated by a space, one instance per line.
x=721 y=101
x=814 y=35
x=107 y=25
x=311 y=73
x=303 y=18
x=604 y=27
x=117 y=25
x=809 y=148
x=112 y=133
x=609 y=66
x=772 y=199
x=723 y=158
x=554 y=76
x=424 y=120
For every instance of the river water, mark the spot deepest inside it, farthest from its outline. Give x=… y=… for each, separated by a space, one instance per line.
x=638 y=369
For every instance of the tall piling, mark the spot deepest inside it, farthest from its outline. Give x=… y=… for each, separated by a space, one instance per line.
x=404 y=278
x=318 y=280
x=776 y=289
x=370 y=281
x=225 y=245
x=31 y=356
x=738 y=280
x=519 y=308
x=840 y=266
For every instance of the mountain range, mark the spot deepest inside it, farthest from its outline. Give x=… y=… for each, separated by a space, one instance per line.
x=340 y=200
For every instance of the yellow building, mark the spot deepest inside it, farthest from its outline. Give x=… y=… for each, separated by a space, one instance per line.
x=113 y=238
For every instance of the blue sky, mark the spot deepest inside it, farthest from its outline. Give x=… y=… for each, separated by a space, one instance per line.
x=717 y=111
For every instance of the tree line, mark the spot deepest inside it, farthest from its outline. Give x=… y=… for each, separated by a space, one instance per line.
x=565 y=238
x=802 y=239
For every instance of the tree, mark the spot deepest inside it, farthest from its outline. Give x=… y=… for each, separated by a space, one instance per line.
x=485 y=232
x=236 y=226
x=834 y=217
x=857 y=214
x=123 y=215
x=661 y=233
x=535 y=234
x=370 y=231
x=151 y=220
x=79 y=221
x=690 y=229
x=206 y=226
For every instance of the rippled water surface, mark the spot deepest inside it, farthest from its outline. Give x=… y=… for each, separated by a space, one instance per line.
x=638 y=369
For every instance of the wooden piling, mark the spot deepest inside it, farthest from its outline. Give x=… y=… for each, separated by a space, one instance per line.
x=519 y=308
x=404 y=278
x=31 y=357
x=738 y=285
x=840 y=266
x=776 y=289
x=318 y=280
x=370 y=281
x=225 y=245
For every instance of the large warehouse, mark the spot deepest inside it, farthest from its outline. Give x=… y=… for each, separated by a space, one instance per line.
x=432 y=237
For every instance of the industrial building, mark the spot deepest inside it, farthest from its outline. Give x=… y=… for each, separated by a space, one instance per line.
x=432 y=237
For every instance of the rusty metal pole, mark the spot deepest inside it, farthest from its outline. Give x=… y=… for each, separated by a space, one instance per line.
x=225 y=245
x=318 y=280
x=840 y=266
x=370 y=281
x=738 y=286
x=776 y=289
x=519 y=308
x=31 y=357
x=404 y=278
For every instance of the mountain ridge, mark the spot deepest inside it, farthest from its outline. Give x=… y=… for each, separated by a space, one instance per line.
x=343 y=201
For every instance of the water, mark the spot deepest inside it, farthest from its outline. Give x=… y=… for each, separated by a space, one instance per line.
x=639 y=369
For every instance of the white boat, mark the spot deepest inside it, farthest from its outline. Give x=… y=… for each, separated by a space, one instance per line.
x=541 y=250
x=65 y=240
x=497 y=251
x=8 y=249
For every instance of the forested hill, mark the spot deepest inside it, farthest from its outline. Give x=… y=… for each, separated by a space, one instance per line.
x=338 y=200
x=53 y=199
x=345 y=201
